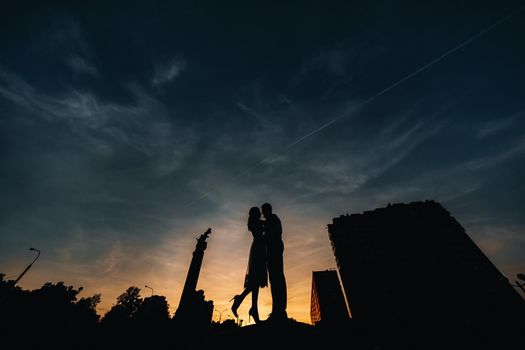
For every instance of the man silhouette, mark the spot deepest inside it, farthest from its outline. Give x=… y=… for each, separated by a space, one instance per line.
x=275 y=249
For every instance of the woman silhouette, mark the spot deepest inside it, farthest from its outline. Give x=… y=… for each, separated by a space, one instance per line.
x=256 y=274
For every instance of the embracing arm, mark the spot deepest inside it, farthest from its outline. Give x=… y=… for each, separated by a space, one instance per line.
x=273 y=227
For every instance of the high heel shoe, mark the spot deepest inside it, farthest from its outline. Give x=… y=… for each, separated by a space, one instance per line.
x=254 y=312
x=236 y=303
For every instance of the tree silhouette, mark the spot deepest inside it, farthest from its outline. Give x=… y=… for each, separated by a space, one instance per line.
x=116 y=316
x=154 y=310
x=130 y=300
x=152 y=320
x=48 y=314
x=56 y=305
x=133 y=321
x=90 y=303
x=7 y=287
x=127 y=305
x=86 y=312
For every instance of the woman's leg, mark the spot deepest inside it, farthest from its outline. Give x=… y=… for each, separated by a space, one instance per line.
x=254 y=311
x=244 y=293
x=255 y=296
x=237 y=300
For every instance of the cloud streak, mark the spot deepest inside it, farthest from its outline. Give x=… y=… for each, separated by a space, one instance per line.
x=106 y=124
x=166 y=73
x=493 y=127
x=82 y=66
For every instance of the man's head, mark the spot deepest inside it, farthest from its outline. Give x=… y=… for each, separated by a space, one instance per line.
x=266 y=209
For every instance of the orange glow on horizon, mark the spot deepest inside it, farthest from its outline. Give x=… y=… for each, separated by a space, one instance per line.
x=307 y=249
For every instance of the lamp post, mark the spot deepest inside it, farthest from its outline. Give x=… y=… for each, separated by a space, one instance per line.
x=149 y=288
x=28 y=266
x=220 y=314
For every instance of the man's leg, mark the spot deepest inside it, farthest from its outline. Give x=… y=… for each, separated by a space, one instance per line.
x=272 y=277
x=278 y=281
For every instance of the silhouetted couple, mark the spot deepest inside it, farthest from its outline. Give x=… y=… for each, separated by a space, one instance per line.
x=266 y=259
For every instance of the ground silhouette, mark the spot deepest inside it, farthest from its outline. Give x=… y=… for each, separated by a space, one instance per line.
x=288 y=334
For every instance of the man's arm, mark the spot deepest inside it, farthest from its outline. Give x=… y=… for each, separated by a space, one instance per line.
x=278 y=228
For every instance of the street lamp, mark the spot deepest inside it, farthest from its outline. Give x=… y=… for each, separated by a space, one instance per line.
x=220 y=314
x=149 y=288
x=28 y=266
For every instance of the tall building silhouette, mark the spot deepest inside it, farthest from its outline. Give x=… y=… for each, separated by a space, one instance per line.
x=327 y=305
x=411 y=271
x=193 y=308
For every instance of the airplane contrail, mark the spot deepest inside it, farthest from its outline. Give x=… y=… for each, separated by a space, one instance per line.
x=373 y=97
x=407 y=77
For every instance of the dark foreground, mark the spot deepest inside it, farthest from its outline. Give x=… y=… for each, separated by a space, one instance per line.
x=269 y=336
x=284 y=335
x=296 y=335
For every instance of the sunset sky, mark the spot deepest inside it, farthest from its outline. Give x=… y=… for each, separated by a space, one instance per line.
x=129 y=128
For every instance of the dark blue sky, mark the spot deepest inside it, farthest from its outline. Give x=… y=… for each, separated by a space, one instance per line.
x=128 y=128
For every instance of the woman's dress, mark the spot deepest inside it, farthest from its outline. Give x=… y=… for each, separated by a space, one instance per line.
x=256 y=273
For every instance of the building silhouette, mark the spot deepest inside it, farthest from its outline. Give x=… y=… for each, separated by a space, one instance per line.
x=409 y=271
x=327 y=305
x=193 y=309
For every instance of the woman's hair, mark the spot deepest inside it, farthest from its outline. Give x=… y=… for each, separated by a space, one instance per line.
x=255 y=212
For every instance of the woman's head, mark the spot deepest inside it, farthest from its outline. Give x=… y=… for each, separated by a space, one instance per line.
x=255 y=212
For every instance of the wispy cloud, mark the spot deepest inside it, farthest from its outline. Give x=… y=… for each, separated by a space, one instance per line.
x=249 y=111
x=515 y=148
x=496 y=126
x=144 y=126
x=166 y=73
x=365 y=157
x=82 y=65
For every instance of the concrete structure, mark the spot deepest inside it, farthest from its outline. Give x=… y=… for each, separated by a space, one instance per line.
x=327 y=305
x=410 y=269
x=193 y=309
